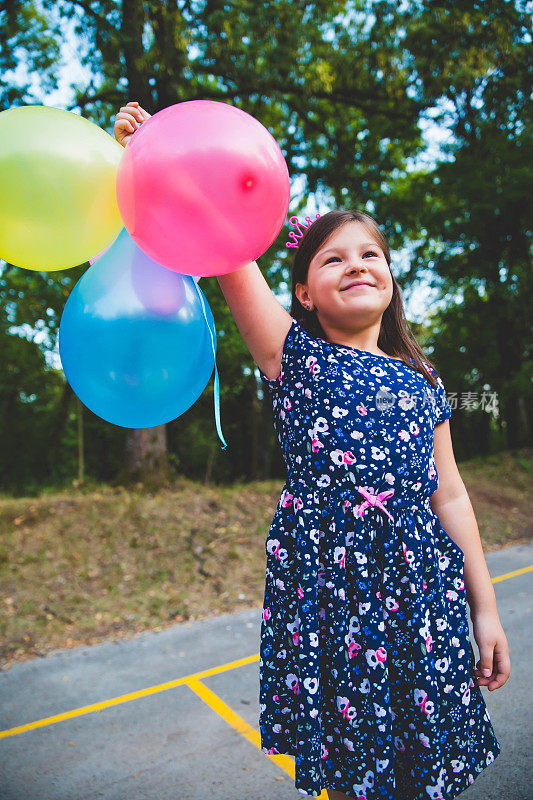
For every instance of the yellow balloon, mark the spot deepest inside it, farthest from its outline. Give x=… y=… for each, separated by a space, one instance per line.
x=58 y=203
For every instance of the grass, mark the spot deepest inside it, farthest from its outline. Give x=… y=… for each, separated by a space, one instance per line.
x=83 y=566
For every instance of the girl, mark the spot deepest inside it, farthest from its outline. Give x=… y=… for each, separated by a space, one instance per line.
x=367 y=674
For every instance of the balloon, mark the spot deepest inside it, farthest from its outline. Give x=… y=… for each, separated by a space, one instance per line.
x=58 y=203
x=157 y=289
x=101 y=253
x=134 y=343
x=203 y=187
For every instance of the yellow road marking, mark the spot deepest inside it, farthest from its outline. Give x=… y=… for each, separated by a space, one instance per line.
x=223 y=710
x=286 y=763
x=125 y=698
x=192 y=680
x=512 y=574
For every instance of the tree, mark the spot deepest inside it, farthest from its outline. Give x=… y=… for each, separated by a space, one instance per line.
x=344 y=88
x=474 y=209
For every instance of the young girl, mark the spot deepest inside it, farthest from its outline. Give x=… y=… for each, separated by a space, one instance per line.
x=367 y=674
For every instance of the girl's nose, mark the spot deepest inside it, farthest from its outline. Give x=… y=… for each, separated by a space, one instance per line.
x=356 y=267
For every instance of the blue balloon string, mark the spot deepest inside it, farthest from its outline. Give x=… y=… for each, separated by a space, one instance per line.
x=216 y=393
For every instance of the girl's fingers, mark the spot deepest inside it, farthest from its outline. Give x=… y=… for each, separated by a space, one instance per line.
x=130 y=113
x=123 y=117
x=125 y=125
x=135 y=110
x=497 y=674
x=128 y=120
x=498 y=680
x=502 y=668
x=128 y=117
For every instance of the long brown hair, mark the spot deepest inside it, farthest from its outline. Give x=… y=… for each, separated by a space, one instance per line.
x=395 y=335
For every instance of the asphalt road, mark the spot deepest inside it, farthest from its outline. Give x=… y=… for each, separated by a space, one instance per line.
x=173 y=714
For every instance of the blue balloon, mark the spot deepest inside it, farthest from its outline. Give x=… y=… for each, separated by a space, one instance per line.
x=137 y=341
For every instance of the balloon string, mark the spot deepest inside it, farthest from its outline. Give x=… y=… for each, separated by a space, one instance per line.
x=216 y=393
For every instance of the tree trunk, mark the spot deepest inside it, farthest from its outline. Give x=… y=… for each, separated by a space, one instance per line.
x=132 y=31
x=146 y=455
x=524 y=422
x=518 y=427
x=209 y=465
x=81 y=455
x=146 y=449
x=59 y=425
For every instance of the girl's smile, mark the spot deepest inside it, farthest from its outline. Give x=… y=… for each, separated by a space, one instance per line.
x=357 y=286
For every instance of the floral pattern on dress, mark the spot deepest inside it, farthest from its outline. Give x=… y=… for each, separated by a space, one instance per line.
x=366 y=666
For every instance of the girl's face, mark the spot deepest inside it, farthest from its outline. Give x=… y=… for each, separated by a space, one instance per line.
x=349 y=255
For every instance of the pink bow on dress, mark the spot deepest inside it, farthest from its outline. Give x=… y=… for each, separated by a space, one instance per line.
x=374 y=500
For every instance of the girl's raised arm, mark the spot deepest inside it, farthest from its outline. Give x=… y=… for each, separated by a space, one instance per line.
x=262 y=321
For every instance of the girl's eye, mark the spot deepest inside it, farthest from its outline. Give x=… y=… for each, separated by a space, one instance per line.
x=368 y=252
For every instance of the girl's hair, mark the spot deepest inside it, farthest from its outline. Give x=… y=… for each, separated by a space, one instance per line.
x=395 y=336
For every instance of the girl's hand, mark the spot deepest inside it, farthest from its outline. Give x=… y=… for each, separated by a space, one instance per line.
x=494 y=665
x=128 y=120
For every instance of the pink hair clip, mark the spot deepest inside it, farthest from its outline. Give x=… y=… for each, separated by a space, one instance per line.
x=295 y=222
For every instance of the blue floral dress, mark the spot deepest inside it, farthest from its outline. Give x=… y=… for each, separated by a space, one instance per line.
x=366 y=666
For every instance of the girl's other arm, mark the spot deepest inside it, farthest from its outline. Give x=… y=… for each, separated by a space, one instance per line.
x=452 y=505
x=262 y=321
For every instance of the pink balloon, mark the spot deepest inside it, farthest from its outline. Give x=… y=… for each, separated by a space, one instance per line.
x=203 y=188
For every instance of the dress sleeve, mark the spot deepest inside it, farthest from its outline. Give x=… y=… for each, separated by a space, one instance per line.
x=301 y=364
x=443 y=410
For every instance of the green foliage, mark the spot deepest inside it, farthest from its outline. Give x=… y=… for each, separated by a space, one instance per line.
x=27 y=28
x=344 y=87
x=474 y=208
x=28 y=392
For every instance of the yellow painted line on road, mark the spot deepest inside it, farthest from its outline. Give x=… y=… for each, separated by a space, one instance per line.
x=125 y=698
x=163 y=687
x=286 y=763
x=512 y=574
x=223 y=710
